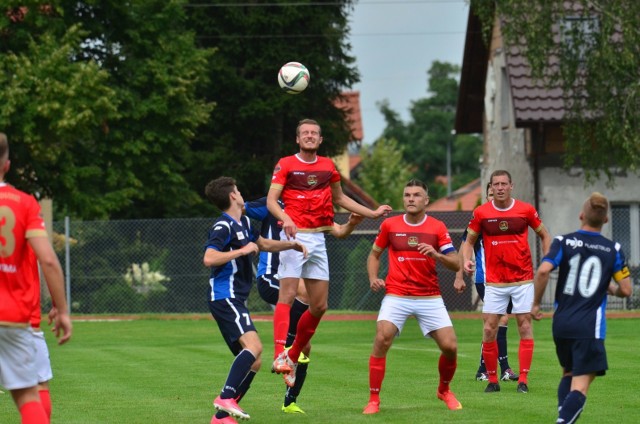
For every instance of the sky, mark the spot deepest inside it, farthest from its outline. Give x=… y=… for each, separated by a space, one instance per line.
x=394 y=43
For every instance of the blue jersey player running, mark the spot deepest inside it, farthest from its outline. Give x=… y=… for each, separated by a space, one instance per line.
x=269 y=288
x=229 y=249
x=587 y=262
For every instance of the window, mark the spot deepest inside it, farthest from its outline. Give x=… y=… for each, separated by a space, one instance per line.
x=579 y=35
x=625 y=223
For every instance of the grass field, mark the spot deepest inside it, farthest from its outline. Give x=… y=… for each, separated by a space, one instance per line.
x=168 y=371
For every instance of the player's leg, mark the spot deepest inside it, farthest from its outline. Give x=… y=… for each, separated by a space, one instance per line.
x=589 y=360
x=318 y=291
x=43 y=365
x=385 y=333
x=394 y=312
x=28 y=403
x=573 y=404
x=434 y=321
x=290 y=271
x=506 y=372
x=481 y=374
x=522 y=297
x=495 y=304
x=239 y=332
x=292 y=393
x=19 y=374
x=281 y=315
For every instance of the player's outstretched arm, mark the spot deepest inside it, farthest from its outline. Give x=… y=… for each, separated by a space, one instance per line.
x=213 y=257
x=54 y=277
x=540 y=285
x=269 y=245
x=342 y=200
x=343 y=230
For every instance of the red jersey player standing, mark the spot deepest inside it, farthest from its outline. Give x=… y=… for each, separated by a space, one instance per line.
x=309 y=186
x=21 y=226
x=415 y=242
x=504 y=225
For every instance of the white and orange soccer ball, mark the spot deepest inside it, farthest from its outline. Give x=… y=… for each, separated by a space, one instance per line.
x=293 y=77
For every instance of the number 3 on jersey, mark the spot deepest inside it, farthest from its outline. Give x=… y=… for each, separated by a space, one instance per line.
x=7 y=239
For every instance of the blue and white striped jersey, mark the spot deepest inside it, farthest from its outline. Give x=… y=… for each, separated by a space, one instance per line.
x=233 y=279
x=257 y=209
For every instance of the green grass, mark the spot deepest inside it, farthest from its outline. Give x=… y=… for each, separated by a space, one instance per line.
x=159 y=371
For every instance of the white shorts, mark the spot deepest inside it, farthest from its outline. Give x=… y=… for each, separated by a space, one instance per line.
x=496 y=299
x=316 y=266
x=17 y=358
x=43 y=363
x=430 y=312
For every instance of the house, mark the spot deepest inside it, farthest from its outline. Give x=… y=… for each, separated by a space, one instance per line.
x=349 y=101
x=466 y=198
x=521 y=124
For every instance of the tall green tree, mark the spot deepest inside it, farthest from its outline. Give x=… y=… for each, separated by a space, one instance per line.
x=427 y=138
x=254 y=121
x=384 y=173
x=590 y=49
x=100 y=102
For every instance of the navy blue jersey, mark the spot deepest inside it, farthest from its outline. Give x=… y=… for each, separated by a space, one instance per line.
x=587 y=262
x=478 y=249
x=233 y=279
x=257 y=209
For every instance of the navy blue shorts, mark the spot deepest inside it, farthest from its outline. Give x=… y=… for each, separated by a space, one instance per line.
x=582 y=356
x=269 y=288
x=233 y=319
x=480 y=290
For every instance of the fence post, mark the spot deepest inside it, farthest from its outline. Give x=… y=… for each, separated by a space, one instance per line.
x=67 y=261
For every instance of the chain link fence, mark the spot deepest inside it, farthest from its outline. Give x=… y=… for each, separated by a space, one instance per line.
x=155 y=266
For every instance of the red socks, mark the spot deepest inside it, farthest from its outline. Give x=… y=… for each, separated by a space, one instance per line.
x=447 y=368
x=33 y=413
x=525 y=356
x=280 y=327
x=490 y=355
x=45 y=399
x=376 y=375
x=306 y=329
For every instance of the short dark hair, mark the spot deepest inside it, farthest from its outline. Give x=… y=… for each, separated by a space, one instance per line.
x=486 y=189
x=218 y=190
x=414 y=182
x=310 y=122
x=498 y=173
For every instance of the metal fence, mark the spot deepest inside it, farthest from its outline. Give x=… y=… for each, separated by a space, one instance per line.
x=155 y=266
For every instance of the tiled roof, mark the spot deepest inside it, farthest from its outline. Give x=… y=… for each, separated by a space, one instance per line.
x=349 y=101
x=465 y=198
x=531 y=101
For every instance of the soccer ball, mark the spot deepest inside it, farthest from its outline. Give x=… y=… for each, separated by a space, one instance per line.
x=293 y=77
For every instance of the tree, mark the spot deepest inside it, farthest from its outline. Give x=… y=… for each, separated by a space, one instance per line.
x=254 y=121
x=100 y=101
x=588 y=48
x=426 y=138
x=384 y=173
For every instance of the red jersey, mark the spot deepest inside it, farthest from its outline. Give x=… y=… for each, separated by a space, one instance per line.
x=505 y=238
x=306 y=191
x=31 y=271
x=410 y=272
x=20 y=219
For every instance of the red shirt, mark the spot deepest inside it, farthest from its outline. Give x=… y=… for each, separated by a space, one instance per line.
x=20 y=219
x=506 y=246
x=410 y=272
x=306 y=191
x=30 y=269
